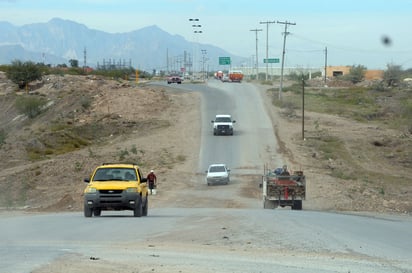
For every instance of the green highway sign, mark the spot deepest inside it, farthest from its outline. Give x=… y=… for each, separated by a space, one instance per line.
x=224 y=60
x=271 y=61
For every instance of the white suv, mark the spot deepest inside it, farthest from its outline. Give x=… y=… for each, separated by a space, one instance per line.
x=217 y=174
x=223 y=125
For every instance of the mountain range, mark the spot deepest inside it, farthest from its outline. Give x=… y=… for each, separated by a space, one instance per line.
x=150 y=48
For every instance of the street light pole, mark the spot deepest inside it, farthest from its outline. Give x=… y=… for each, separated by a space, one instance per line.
x=195 y=26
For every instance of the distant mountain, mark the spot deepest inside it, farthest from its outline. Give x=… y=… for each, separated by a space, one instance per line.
x=58 y=41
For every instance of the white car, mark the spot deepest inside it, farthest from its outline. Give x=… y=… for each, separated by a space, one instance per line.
x=223 y=125
x=225 y=78
x=217 y=174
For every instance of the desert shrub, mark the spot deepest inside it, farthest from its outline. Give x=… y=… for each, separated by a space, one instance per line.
x=86 y=102
x=356 y=73
x=31 y=106
x=296 y=88
x=23 y=73
x=298 y=76
x=392 y=75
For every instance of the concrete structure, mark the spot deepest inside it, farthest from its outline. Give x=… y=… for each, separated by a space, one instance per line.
x=335 y=71
x=331 y=71
x=276 y=71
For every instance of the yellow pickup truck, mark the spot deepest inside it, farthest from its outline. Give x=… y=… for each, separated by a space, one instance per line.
x=116 y=186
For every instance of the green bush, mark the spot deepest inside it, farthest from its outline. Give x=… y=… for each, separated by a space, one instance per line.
x=356 y=73
x=392 y=75
x=23 y=73
x=31 y=106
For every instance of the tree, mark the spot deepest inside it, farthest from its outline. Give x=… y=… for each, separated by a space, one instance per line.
x=23 y=73
x=74 y=63
x=357 y=73
x=392 y=75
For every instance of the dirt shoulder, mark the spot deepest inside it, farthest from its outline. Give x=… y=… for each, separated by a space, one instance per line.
x=367 y=179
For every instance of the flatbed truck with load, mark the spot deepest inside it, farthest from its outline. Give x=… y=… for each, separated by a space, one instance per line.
x=283 y=190
x=235 y=76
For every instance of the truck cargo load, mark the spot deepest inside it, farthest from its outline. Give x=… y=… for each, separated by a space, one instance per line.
x=283 y=190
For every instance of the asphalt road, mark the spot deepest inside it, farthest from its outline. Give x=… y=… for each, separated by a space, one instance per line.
x=211 y=238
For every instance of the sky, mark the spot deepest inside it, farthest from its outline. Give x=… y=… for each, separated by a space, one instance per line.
x=350 y=32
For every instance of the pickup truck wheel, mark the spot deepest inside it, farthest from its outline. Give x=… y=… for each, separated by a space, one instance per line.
x=297 y=205
x=138 y=210
x=268 y=204
x=87 y=211
x=145 y=207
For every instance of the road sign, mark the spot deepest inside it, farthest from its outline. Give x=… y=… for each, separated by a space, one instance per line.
x=271 y=61
x=224 y=60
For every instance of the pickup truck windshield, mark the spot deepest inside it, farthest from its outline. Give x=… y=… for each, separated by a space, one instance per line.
x=223 y=119
x=110 y=174
x=217 y=169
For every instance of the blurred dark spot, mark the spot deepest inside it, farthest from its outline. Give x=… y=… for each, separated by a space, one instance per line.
x=386 y=40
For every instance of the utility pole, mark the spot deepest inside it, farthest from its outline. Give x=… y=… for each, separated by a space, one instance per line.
x=326 y=64
x=167 y=61
x=257 y=59
x=286 y=23
x=267 y=45
x=84 y=59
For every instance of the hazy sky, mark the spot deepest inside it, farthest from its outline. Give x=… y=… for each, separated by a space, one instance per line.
x=352 y=31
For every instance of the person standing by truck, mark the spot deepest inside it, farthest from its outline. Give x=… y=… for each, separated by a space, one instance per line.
x=152 y=180
x=285 y=170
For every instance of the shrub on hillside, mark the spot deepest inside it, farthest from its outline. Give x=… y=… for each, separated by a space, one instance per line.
x=31 y=106
x=23 y=73
x=356 y=74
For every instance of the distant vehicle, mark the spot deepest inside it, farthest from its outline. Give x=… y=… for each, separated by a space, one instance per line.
x=217 y=174
x=174 y=79
x=223 y=125
x=225 y=78
x=235 y=76
x=218 y=75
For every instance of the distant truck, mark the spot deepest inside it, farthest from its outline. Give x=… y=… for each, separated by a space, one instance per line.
x=282 y=191
x=174 y=79
x=235 y=76
x=219 y=75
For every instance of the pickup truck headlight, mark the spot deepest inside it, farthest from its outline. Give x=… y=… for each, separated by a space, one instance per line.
x=91 y=190
x=131 y=190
